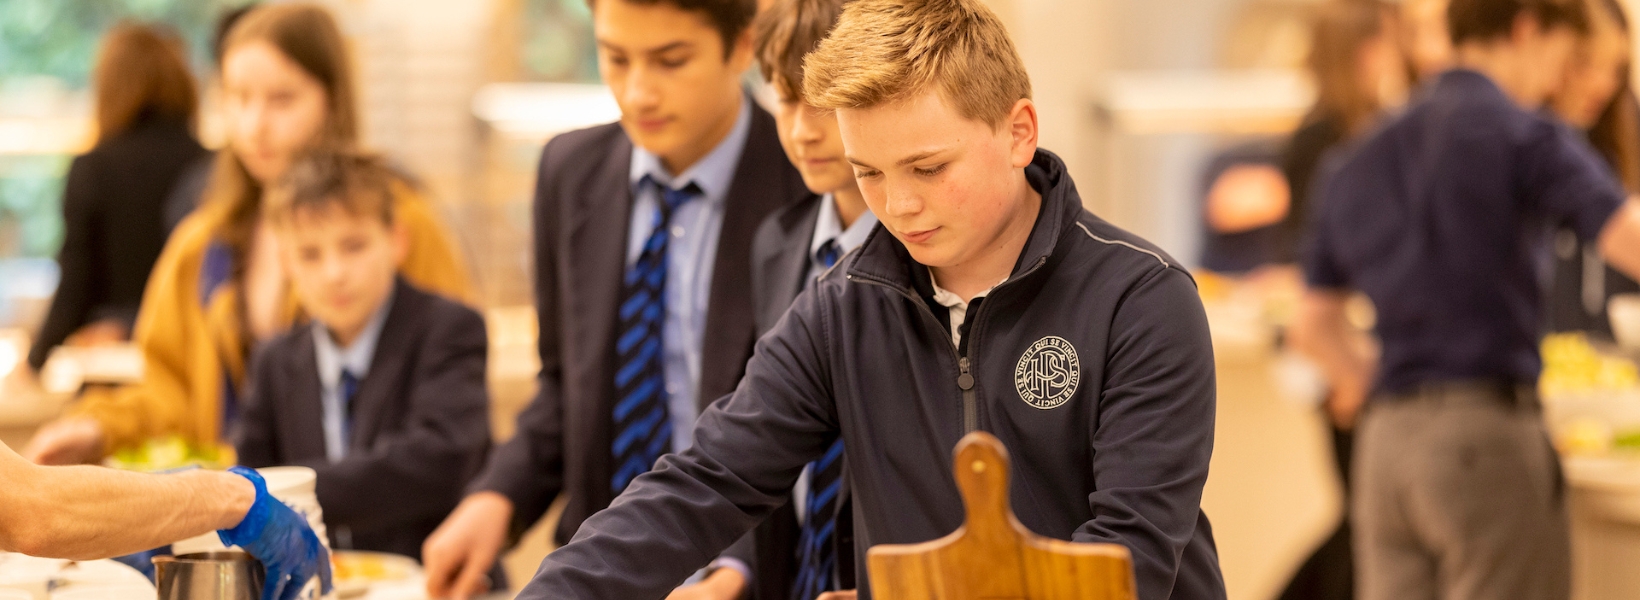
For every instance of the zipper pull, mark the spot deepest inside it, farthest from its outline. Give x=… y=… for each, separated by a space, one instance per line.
x=966 y=379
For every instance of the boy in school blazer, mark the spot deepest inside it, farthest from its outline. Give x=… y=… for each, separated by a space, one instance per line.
x=688 y=136
x=809 y=542
x=383 y=392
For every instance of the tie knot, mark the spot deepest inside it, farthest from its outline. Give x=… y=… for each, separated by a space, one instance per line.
x=676 y=198
x=828 y=253
x=672 y=198
x=349 y=384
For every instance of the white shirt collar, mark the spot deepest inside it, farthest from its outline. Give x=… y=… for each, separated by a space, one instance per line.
x=957 y=306
x=827 y=226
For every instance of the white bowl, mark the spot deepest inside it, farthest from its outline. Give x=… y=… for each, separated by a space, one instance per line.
x=289 y=481
x=1624 y=312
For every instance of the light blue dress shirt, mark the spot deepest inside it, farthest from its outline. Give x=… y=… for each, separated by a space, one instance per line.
x=691 y=255
x=332 y=361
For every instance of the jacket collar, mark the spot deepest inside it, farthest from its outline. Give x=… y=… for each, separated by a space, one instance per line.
x=884 y=259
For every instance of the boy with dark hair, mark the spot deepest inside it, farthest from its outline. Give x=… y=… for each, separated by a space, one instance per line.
x=987 y=299
x=1439 y=218
x=792 y=249
x=643 y=234
x=383 y=393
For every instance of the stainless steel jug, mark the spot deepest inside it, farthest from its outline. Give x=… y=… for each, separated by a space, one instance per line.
x=209 y=576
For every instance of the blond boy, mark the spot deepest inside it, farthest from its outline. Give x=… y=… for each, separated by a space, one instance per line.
x=989 y=299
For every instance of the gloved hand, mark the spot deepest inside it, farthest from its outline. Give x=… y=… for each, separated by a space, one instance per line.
x=282 y=540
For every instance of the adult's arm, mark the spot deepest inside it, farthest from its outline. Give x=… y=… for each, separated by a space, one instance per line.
x=85 y=513
x=421 y=470
x=179 y=363
x=1155 y=431
x=1322 y=331
x=749 y=449
x=1620 y=239
x=71 y=304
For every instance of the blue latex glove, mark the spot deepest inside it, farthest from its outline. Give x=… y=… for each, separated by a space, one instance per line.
x=282 y=540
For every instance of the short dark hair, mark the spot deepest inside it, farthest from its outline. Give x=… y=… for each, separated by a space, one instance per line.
x=359 y=183
x=729 y=17
x=785 y=33
x=1469 y=20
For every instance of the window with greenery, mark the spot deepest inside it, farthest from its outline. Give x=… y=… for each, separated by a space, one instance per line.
x=557 y=42
x=46 y=53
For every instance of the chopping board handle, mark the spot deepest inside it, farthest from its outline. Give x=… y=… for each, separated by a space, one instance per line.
x=993 y=556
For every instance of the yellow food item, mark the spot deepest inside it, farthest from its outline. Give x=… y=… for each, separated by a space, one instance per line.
x=1585 y=437
x=1572 y=365
x=369 y=566
x=171 y=453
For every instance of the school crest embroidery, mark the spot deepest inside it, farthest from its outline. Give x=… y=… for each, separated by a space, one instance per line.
x=1048 y=373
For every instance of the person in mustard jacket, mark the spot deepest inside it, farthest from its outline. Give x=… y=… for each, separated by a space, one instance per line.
x=217 y=290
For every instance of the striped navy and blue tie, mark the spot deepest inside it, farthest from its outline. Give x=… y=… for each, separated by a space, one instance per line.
x=817 y=547
x=643 y=426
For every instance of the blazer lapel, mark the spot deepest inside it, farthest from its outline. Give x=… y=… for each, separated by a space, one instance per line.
x=793 y=265
x=764 y=181
x=591 y=262
x=380 y=387
x=304 y=439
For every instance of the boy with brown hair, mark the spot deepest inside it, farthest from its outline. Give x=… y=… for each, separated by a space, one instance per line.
x=988 y=299
x=792 y=248
x=383 y=393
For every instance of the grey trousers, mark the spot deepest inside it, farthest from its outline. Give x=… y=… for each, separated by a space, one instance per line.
x=1458 y=497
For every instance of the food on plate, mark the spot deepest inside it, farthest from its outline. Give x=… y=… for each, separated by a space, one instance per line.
x=1572 y=365
x=170 y=453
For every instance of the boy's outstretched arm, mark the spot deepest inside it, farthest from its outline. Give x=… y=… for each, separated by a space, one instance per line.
x=749 y=449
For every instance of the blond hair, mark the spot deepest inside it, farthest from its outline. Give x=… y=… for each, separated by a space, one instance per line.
x=886 y=50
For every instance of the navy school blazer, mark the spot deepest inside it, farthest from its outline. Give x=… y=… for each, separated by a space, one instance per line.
x=420 y=422
x=583 y=206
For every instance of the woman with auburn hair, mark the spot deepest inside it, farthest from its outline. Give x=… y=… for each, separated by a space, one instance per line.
x=145 y=105
x=218 y=290
x=1597 y=98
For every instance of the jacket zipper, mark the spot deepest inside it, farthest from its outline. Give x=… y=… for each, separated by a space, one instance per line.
x=970 y=408
x=965 y=372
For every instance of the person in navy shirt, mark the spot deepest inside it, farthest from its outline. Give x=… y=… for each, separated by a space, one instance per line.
x=1440 y=218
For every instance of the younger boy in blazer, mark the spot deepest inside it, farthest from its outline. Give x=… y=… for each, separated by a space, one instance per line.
x=383 y=392
x=792 y=248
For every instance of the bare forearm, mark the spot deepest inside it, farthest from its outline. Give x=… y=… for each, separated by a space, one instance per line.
x=1323 y=333
x=92 y=512
x=1620 y=239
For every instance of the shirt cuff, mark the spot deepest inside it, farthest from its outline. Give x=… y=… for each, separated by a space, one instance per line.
x=727 y=562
